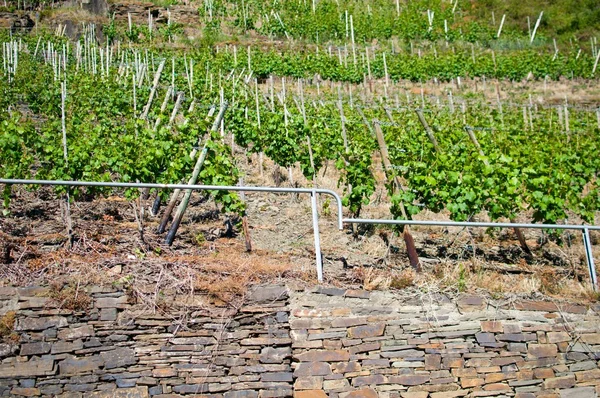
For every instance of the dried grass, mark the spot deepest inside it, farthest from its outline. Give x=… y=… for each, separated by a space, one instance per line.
x=372 y=278
x=7 y=328
x=227 y=273
x=69 y=296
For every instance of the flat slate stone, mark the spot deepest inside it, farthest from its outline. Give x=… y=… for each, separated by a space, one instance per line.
x=323 y=356
x=331 y=291
x=346 y=367
x=164 y=372
x=8 y=349
x=403 y=354
x=308 y=394
x=361 y=332
x=74 y=366
x=362 y=393
x=558 y=337
x=191 y=388
x=471 y=303
x=108 y=314
x=414 y=394
x=559 y=382
x=363 y=294
x=41 y=323
x=511 y=337
x=27 y=369
x=76 y=333
x=433 y=361
x=118 y=358
x=266 y=341
x=451 y=394
x=590 y=338
x=530 y=305
x=34 y=302
x=542 y=350
x=25 y=391
x=241 y=394
x=193 y=340
x=275 y=355
x=348 y=322
x=313 y=369
x=491 y=327
x=61 y=347
x=111 y=302
x=410 y=380
x=579 y=366
x=38 y=348
x=51 y=390
x=263 y=294
x=485 y=338
x=135 y=392
x=369 y=380
x=308 y=383
x=7 y=292
x=277 y=376
x=579 y=392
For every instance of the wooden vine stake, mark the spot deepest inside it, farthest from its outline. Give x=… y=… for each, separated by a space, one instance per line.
x=175 y=195
x=501 y=25
x=537 y=24
x=428 y=130
x=178 y=103
x=188 y=192
x=153 y=91
x=387 y=166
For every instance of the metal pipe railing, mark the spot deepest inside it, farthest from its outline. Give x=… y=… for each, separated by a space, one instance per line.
x=585 y=229
x=468 y=224
x=341 y=220
x=312 y=191
x=237 y=188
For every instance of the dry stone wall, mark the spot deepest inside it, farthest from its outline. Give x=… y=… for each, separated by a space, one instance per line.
x=183 y=14
x=360 y=344
x=320 y=342
x=122 y=349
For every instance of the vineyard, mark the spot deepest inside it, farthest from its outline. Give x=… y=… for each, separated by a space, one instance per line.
x=407 y=110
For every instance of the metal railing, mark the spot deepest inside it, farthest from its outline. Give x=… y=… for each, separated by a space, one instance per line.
x=312 y=191
x=340 y=219
x=585 y=229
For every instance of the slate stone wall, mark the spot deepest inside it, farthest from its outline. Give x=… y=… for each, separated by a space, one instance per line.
x=373 y=344
x=123 y=348
x=183 y=14
x=320 y=342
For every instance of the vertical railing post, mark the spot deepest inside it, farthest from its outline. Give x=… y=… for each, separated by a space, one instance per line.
x=315 y=219
x=587 y=242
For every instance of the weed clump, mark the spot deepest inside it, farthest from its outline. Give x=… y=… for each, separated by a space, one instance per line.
x=7 y=328
x=402 y=281
x=69 y=296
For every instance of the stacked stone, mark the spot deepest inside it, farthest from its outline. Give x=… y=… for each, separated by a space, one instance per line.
x=336 y=343
x=120 y=349
x=351 y=343
x=138 y=12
